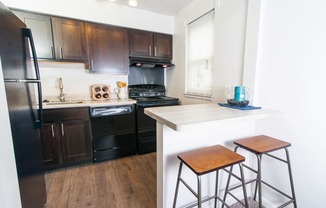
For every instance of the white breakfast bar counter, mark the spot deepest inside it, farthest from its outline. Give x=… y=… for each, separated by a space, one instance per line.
x=186 y=127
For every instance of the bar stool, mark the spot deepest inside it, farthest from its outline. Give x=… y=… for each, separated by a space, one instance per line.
x=206 y=160
x=263 y=145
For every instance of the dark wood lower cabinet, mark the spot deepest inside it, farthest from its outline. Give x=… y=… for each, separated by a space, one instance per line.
x=50 y=144
x=66 y=137
x=75 y=140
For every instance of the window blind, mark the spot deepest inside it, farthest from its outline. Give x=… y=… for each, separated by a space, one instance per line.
x=199 y=58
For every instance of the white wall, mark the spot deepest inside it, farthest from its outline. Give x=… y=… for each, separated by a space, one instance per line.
x=230 y=18
x=76 y=80
x=291 y=77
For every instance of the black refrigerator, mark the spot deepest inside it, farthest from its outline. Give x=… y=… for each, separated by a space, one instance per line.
x=23 y=91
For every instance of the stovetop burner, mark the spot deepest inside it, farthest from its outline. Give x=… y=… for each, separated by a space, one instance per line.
x=146 y=90
x=150 y=94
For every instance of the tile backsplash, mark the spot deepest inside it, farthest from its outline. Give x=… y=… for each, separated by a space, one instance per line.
x=76 y=79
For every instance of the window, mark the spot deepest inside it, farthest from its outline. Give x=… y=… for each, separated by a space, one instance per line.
x=199 y=58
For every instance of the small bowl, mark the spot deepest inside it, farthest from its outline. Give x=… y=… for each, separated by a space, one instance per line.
x=243 y=103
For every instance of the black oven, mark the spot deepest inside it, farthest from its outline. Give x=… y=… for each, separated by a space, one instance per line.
x=148 y=96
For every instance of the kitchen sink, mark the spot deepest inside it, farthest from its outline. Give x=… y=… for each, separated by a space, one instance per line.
x=63 y=102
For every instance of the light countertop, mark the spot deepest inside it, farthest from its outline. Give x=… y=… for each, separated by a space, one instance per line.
x=88 y=103
x=186 y=117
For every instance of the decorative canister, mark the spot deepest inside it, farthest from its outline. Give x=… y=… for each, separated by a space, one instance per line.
x=239 y=93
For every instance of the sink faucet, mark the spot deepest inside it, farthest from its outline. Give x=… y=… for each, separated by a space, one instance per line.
x=62 y=95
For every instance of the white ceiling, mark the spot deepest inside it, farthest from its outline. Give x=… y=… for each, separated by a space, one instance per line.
x=167 y=7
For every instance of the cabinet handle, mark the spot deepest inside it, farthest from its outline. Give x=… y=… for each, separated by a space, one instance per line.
x=155 y=54
x=52 y=130
x=52 y=52
x=61 y=53
x=150 y=50
x=62 y=130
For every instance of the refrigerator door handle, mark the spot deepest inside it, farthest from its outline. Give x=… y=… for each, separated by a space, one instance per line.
x=27 y=33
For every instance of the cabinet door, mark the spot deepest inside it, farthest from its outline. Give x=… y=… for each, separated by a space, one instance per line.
x=69 y=39
x=42 y=33
x=141 y=43
x=108 y=48
x=162 y=46
x=51 y=148
x=76 y=140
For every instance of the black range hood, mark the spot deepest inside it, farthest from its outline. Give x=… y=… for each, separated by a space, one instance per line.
x=150 y=62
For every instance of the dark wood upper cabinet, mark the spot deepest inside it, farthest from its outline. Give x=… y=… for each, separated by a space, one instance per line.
x=108 y=48
x=56 y=38
x=105 y=48
x=69 y=39
x=149 y=44
x=42 y=33
x=162 y=46
x=141 y=43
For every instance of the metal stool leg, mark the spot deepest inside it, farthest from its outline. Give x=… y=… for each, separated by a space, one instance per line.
x=216 y=187
x=258 y=185
x=227 y=186
x=243 y=186
x=291 y=177
x=199 y=190
x=260 y=196
x=177 y=186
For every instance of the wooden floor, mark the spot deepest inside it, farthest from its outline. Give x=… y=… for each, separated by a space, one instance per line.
x=125 y=182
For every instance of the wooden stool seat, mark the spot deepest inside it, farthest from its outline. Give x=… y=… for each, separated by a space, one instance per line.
x=208 y=159
x=261 y=144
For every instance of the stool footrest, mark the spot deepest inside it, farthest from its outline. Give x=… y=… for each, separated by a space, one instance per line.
x=234 y=175
x=195 y=204
x=275 y=189
x=249 y=168
x=203 y=200
x=238 y=186
x=236 y=198
x=277 y=158
x=286 y=204
x=190 y=189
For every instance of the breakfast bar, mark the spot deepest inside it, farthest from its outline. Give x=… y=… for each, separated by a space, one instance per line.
x=187 y=127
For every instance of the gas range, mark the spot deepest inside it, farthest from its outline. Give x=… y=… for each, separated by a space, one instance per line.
x=148 y=95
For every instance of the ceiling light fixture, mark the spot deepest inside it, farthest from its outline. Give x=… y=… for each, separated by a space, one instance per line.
x=133 y=3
